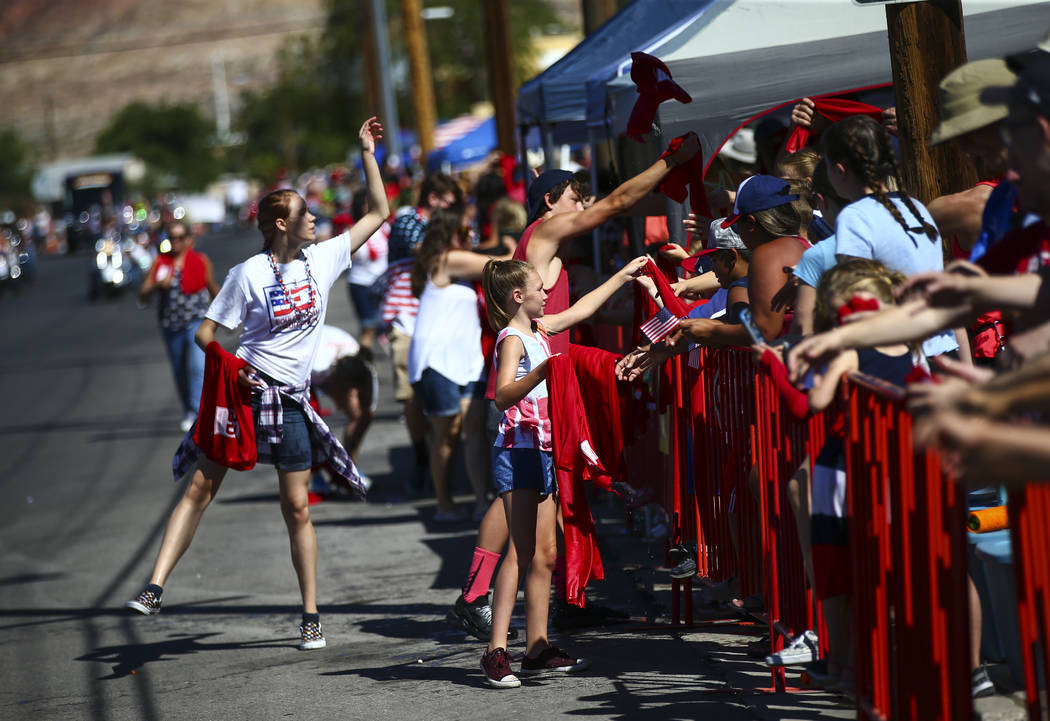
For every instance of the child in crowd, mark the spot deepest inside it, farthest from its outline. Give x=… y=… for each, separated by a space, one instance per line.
x=522 y=457
x=850 y=291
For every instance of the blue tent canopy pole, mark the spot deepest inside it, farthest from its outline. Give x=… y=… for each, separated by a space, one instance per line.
x=596 y=243
x=548 y=145
x=523 y=131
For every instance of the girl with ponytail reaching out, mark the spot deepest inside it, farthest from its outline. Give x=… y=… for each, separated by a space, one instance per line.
x=279 y=295
x=522 y=458
x=882 y=222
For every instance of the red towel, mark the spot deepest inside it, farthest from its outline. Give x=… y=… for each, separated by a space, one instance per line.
x=663 y=286
x=225 y=429
x=834 y=109
x=687 y=177
x=654 y=86
x=194 y=272
x=574 y=462
x=603 y=400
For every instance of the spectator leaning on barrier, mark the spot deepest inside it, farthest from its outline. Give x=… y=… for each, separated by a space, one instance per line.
x=882 y=222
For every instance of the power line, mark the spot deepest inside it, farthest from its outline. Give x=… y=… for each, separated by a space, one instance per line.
x=26 y=54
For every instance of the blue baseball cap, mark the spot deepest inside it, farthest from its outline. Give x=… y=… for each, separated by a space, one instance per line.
x=759 y=192
x=540 y=186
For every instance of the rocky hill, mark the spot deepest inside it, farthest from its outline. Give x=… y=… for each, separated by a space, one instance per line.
x=67 y=65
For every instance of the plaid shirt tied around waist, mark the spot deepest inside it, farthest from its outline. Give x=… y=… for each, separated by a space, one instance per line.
x=269 y=427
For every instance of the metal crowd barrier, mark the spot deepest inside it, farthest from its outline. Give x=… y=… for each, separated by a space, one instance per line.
x=712 y=420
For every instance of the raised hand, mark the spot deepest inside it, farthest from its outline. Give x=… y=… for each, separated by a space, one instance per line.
x=370 y=133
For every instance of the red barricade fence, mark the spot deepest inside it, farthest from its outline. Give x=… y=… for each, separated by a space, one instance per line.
x=1029 y=510
x=910 y=601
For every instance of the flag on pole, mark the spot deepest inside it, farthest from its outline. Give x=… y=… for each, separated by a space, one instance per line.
x=660 y=325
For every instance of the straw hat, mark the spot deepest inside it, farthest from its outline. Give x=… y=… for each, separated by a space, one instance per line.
x=962 y=107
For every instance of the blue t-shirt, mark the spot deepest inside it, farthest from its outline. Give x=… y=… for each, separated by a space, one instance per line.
x=865 y=229
x=816 y=261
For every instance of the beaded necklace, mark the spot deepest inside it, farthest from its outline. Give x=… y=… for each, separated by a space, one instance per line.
x=300 y=317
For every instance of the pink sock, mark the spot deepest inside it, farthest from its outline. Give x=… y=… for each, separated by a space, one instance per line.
x=559 y=577
x=482 y=566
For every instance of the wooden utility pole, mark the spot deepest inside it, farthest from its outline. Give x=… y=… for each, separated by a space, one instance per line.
x=502 y=88
x=370 y=56
x=926 y=43
x=596 y=12
x=422 y=82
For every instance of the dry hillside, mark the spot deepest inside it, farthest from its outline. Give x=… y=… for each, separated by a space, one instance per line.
x=67 y=65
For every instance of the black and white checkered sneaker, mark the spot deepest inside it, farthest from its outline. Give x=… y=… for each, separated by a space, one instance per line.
x=311 y=635
x=147 y=603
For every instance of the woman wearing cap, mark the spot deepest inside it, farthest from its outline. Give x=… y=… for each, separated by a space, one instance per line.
x=769 y=220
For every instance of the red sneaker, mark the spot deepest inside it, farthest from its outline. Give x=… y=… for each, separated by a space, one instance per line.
x=553 y=658
x=496 y=665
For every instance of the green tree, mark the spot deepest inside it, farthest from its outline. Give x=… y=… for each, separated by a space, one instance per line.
x=173 y=140
x=16 y=171
x=311 y=115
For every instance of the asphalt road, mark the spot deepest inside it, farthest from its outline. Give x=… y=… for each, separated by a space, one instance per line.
x=89 y=425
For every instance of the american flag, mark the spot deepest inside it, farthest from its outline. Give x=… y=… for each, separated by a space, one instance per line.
x=660 y=325
x=694 y=356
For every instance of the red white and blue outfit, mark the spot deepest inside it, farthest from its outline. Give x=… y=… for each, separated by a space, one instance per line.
x=522 y=456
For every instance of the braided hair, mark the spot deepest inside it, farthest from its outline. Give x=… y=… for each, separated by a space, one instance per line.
x=863 y=147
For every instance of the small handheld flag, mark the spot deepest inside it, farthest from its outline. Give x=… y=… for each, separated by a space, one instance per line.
x=660 y=325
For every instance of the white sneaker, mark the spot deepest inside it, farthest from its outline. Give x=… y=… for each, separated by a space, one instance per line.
x=803 y=648
x=187 y=421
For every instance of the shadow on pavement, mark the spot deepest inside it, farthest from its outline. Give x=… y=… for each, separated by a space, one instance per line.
x=127 y=659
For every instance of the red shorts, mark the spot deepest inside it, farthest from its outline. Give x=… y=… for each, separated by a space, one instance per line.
x=833 y=569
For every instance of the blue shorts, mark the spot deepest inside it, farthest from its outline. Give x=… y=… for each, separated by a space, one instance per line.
x=438 y=395
x=365 y=304
x=515 y=469
x=293 y=453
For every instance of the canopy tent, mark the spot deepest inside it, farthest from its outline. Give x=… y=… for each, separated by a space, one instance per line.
x=742 y=58
x=553 y=98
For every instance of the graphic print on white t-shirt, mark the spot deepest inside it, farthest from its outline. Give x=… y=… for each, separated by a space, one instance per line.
x=301 y=313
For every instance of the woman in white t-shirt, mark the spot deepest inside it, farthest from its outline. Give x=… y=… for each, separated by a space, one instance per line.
x=882 y=222
x=445 y=360
x=279 y=296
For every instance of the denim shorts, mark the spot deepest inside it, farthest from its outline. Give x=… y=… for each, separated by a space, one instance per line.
x=516 y=469
x=438 y=395
x=293 y=453
x=365 y=305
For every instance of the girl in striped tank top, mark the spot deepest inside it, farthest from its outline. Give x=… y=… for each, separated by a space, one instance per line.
x=522 y=460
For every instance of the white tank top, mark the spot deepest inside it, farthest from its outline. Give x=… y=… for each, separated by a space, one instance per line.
x=447 y=336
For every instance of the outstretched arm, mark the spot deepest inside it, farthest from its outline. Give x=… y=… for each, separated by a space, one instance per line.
x=562 y=227
x=378 y=208
x=586 y=306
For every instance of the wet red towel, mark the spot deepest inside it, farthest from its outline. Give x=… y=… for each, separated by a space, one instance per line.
x=834 y=109
x=225 y=430
x=574 y=462
x=687 y=177
x=654 y=87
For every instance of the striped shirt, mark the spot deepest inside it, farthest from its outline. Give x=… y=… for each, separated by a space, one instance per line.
x=526 y=424
x=400 y=306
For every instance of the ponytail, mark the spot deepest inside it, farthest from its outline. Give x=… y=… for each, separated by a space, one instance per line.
x=498 y=279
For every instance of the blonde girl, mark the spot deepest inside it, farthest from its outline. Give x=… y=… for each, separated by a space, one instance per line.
x=522 y=457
